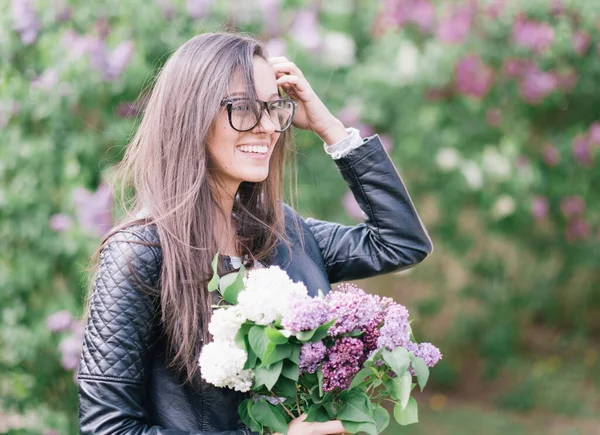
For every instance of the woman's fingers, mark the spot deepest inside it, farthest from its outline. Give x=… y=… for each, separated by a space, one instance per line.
x=287 y=67
x=330 y=427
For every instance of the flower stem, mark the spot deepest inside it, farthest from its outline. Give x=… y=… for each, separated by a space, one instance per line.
x=281 y=403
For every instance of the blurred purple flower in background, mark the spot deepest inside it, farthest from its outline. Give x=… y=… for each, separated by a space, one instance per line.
x=70 y=348
x=60 y=222
x=305 y=30
x=550 y=155
x=594 y=134
x=493 y=117
x=276 y=47
x=455 y=26
x=387 y=142
x=127 y=110
x=531 y=34
x=473 y=77
x=539 y=207
x=351 y=206
x=572 y=206
x=419 y=12
x=197 y=8
x=94 y=210
x=59 y=321
x=270 y=11
x=557 y=8
x=515 y=68
x=578 y=229
x=118 y=60
x=47 y=81
x=350 y=114
x=495 y=8
x=567 y=80
x=582 y=151
x=536 y=85
x=25 y=22
x=581 y=41
x=168 y=8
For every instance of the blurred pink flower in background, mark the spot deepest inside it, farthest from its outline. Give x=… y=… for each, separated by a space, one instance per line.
x=419 y=12
x=557 y=8
x=455 y=25
x=531 y=34
x=515 y=68
x=473 y=77
x=305 y=30
x=550 y=155
x=276 y=47
x=94 y=210
x=167 y=7
x=350 y=114
x=365 y=130
x=493 y=117
x=572 y=206
x=567 y=80
x=581 y=41
x=270 y=11
x=594 y=134
x=582 y=151
x=47 y=81
x=60 y=222
x=351 y=206
x=25 y=22
x=197 y=8
x=578 y=229
x=59 y=321
x=495 y=8
x=127 y=110
x=539 y=207
x=387 y=141
x=535 y=85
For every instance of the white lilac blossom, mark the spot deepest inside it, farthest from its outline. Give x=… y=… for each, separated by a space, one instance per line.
x=267 y=294
x=222 y=365
x=226 y=322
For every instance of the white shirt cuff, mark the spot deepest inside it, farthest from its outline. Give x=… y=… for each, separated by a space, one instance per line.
x=343 y=147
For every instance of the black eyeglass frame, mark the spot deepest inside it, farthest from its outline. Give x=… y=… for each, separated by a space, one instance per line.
x=228 y=102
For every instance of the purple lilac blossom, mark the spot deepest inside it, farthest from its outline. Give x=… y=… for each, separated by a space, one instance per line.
x=594 y=134
x=305 y=314
x=582 y=151
x=551 y=155
x=578 y=229
x=534 y=35
x=572 y=206
x=428 y=353
x=197 y=8
x=94 y=209
x=539 y=207
x=536 y=85
x=395 y=331
x=344 y=360
x=311 y=355
x=70 y=348
x=353 y=308
x=60 y=222
x=581 y=41
x=305 y=30
x=455 y=27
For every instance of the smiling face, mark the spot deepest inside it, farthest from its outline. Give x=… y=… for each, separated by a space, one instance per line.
x=245 y=156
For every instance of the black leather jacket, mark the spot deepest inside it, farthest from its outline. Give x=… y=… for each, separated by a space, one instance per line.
x=124 y=386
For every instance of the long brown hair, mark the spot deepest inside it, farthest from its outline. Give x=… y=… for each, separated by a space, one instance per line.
x=168 y=165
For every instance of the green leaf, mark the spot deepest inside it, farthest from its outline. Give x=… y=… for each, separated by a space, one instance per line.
x=322 y=331
x=408 y=415
x=305 y=335
x=320 y=378
x=421 y=370
x=382 y=417
x=316 y=413
x=375 y=357
x=267 y=415
x=251 y=360
x=285 y=388
x=330 y=408
x=355 y=427
x=232 y=284
x=398 y=360
x=360 y=377
x=213 y=284
x=290 y=370
x=258 y=340
x=295 y=356
x=402 y=386
x=267 y=376
x=245 y=412
x=355 y=407
x=356 y=333
x=275 y=336
x=275 y=353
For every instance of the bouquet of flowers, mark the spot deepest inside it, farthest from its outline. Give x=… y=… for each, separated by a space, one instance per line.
x=338 y=356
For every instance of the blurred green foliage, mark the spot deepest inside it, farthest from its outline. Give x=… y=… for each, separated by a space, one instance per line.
x=489 y=109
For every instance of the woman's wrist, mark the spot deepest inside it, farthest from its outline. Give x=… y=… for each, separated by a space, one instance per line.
x=334 y=132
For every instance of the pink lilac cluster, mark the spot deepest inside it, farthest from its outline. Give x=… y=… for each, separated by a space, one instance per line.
x=311 y=355
x=353 y=309
x=427 y=352
x=306 y=314
x=395 y=331
x=344 y=360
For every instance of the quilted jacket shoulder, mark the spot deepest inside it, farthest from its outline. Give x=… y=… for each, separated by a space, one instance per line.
x=122 y=306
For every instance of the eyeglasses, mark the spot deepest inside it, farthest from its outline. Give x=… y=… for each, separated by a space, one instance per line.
x=245 y=114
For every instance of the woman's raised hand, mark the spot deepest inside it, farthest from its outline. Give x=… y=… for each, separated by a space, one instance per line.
x=300 y=427
x=312 y=114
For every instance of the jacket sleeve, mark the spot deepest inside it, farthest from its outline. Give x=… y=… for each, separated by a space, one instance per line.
x=118 y=337
x=391 y=238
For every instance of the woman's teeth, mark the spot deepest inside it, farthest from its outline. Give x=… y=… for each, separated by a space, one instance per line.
x=259 y=149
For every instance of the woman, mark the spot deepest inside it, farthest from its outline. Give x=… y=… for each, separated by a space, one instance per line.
x=207 y=165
